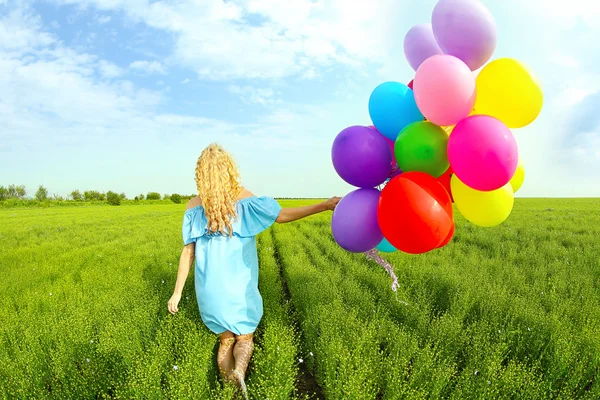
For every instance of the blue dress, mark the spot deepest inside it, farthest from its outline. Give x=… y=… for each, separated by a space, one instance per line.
x=226 y=269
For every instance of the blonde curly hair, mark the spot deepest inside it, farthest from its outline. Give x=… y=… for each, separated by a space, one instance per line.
x=218 y=182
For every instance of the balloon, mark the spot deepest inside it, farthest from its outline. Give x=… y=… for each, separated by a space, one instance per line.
x=354 y=222
x=445 y=181
x=485 y=209
x=444 y=90
x=391 y=107
x=390 y=145
x=449 y=237
x=465 y=29
x=421 y=146
x=508 y=90
x=361 y=157
x=386 y=247
x=415 y=213
x=483 y=152
x=517 y=180
x=448 y=129
x=420 y=44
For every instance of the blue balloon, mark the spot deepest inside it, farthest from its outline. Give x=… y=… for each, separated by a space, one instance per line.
x=392 y=106
x=386 y=247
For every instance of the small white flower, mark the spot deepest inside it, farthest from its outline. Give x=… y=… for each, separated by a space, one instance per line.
x=300 y=360
x=311 y=354
x=187 y=297
x=175 y=367
x=87 y=360
x=542 y=292
x=489 y=383
x=162 y=281
x=499 y=331
x=476 y=372
x=277 y=348
x=50 y=293
x=529 y=329
x=92 y=341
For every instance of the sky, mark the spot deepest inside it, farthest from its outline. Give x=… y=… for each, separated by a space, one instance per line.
x=123 y=95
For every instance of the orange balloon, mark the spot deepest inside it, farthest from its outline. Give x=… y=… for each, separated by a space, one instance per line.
x=415 y=212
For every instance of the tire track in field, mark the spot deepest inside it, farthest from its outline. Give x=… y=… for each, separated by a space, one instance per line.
x=306 y=381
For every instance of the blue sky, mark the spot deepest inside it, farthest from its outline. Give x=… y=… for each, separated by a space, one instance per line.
x=123 y=95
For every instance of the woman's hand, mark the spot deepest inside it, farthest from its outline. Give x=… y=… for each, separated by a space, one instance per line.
x=173 y=302
x=332 y=203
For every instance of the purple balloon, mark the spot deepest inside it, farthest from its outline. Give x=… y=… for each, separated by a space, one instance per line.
x=466 y=30
x=354 y=222
x=420 y=44
x=361 y=157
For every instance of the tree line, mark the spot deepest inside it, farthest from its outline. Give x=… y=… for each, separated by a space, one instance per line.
x=20 y=192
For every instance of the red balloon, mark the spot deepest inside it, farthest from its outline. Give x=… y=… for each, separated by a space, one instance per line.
x=415 y=212
x=410 y=84
x=444 y=179
x=449 y=238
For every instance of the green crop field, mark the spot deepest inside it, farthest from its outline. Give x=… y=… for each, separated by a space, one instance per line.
x=511 y=312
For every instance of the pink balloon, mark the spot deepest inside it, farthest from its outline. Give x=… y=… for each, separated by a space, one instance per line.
x=483 y=152
x=444 y=89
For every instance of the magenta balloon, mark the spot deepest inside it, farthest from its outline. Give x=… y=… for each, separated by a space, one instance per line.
x=420 y=44
x=465 y=29
x=483 y=152
x=361 y=157
x=354 y=222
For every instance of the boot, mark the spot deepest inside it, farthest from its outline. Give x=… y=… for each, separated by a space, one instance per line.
x=225 y=360
x=242 y=352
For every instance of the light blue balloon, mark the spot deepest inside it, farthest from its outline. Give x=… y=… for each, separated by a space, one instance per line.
x=386 y=247
x=392 y=106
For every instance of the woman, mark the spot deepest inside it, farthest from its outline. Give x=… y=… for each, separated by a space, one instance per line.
x=219 y=230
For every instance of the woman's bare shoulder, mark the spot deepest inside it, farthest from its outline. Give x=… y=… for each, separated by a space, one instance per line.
x=194 y=202
x=245 y=193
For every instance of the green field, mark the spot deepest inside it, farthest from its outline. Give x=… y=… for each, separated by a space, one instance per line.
x=511 y=312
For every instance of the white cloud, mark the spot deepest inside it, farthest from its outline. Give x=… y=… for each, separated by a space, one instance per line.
x=109 y=70
x=564 y=60
x=292 y=39
x=103 y=19
x=566 y=14
x=185 y=81
x=20 y=33
x=253 y=95
x=148 y=67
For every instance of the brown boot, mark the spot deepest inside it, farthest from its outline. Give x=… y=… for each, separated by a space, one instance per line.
x=242 y=352
x=225 y=359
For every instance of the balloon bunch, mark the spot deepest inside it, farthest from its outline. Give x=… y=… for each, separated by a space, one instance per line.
x=444 y=138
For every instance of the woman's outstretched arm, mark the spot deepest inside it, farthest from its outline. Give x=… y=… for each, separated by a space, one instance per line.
x=185 y=263
x=296 y=213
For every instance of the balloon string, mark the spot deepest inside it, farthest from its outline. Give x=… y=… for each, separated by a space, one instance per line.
x=395 y=169
x=373 y=255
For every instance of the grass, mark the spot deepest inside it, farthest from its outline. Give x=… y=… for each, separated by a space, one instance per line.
x=507 y=312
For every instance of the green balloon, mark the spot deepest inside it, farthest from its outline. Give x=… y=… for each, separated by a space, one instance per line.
x=422 y=146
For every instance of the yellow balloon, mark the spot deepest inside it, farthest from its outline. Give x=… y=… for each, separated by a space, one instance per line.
x=507 y=90
x=485 y=209
x=448 y=129
x=517 y=180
